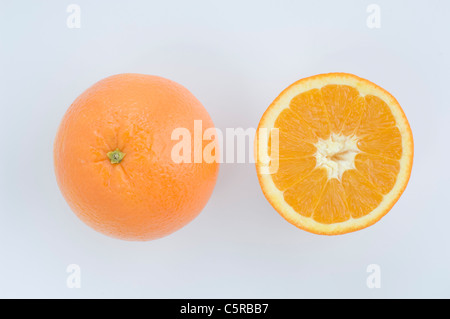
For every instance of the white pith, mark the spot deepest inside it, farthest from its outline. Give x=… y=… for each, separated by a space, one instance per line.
x=336 y=154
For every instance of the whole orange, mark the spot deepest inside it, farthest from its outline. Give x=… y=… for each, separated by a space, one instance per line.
x=113 y=157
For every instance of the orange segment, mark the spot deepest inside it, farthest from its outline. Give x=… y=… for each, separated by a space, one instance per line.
x=289 y=123
x=290 y=171
x=344 y=153
x=377 y=116
x=361 y=195
x=332 y=206
x=289 y=147
x=354 y=116
x=381 y=171
x=304 y=195
x=292 y=145
x=310 y=107
x=339 y=100
x=386 y=142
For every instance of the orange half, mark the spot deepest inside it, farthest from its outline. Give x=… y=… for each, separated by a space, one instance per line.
x=341 y=154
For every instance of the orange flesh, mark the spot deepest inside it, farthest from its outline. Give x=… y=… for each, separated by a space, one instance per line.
x=340 y=110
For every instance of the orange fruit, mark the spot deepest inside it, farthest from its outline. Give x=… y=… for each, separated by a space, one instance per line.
x=113 y=162
x=334 y=153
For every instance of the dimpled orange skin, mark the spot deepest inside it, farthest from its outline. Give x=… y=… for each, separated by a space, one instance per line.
x=147 y=195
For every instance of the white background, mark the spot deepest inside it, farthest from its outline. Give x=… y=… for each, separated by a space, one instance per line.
x=235 y=57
